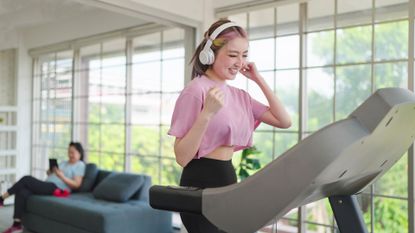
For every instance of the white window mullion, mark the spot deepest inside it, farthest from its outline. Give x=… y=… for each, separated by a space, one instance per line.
x=128 y=104
x=411 y=160
x=76 y=132
x=302 y=210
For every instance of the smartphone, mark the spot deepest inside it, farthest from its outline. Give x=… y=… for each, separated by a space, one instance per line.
x=53 y=163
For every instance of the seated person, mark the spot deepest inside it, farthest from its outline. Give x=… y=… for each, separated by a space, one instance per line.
x=67 y=177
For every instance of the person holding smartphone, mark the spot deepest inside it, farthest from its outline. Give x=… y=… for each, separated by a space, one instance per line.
x=62 y=179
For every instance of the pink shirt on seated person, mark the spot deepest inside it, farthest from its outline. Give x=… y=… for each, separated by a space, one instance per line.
x=232 y=125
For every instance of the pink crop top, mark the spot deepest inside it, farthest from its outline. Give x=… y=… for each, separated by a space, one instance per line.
x=232 y=125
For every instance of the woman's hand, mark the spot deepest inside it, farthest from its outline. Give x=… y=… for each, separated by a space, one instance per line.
x=214 y=101
x=72 y=183
x=186 y=148
x=276 y=116
x=250 y=71
x=58 y=172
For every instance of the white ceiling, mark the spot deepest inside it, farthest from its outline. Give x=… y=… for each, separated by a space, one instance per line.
x=42 y=22
x=21 y=14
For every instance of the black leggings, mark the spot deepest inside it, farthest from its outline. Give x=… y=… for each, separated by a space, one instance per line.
x=25 y=187
x=205 y=173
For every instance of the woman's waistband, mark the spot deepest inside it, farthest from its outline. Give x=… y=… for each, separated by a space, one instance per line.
x=206 y=172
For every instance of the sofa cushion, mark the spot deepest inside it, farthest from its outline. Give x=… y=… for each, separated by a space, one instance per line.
x=118 y=187
x=91 y=172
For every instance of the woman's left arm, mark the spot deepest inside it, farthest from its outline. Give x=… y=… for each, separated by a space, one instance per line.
x=276 y=116
x=74 y=183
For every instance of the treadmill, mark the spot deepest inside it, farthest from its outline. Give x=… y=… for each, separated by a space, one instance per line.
x=336 y=162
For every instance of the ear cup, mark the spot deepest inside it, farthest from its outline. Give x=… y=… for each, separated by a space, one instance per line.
x=207 y=56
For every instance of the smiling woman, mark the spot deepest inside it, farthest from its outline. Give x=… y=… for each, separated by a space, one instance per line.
x=211 y=119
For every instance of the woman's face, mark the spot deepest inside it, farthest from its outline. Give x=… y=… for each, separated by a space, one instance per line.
x=231 y=58
x=73 y=154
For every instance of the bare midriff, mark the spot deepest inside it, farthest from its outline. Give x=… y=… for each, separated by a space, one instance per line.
x=221 y=153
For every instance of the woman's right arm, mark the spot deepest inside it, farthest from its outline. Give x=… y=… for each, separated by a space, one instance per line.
x=185 y=148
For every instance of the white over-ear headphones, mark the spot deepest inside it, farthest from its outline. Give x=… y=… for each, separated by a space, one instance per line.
x=207 y=56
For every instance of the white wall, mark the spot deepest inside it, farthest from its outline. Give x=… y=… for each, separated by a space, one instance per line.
x=9 y=39
x=23 y=87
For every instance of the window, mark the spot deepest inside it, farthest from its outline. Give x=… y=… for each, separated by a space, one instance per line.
x=102 y=100
x=116 y=96
x=53 y=98
x=156 y=84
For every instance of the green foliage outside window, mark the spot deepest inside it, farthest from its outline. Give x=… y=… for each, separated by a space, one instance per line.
x=249 y=163
x=353 y=86
x=106 y=140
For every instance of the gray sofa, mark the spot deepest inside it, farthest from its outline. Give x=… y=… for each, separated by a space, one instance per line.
x=99 y=207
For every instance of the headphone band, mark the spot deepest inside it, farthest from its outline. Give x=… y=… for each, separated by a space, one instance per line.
x=221 y=28
x=216 y=32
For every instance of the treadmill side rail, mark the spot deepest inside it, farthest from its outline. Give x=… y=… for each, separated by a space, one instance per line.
x=176 y=198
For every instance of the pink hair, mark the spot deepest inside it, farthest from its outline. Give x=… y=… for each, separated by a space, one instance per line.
x=223 y=38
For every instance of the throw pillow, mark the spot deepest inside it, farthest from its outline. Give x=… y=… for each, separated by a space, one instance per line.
x=118 y=187
x=91 y=172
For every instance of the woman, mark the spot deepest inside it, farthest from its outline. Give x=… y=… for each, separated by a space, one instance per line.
x=211 y=120
x=67 y=177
